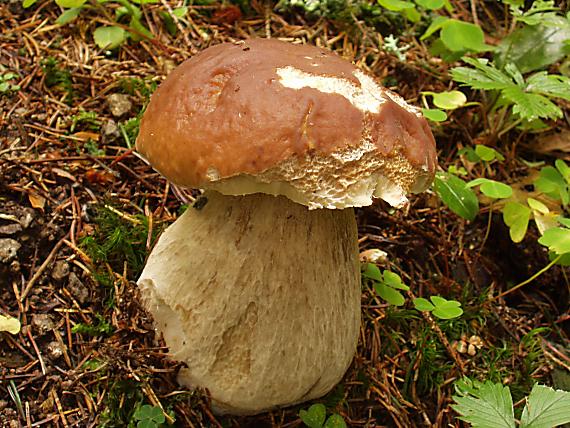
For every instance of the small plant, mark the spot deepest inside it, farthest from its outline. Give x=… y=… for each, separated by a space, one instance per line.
x=388 y=284
x=441 y=308
x=121 y=401
x=481 y=153
x=88 y=118
x=316 y=417
x=148 y=416
x=128 y=19
x=57 y=77
x=542 y=12
x=491 y=405
x=332 y=9
x=391 y=45
x=101 y=328
x=540 y=42
x=130 y=129
x=456 y=37
x=444 y=101
x=529 y=98
x=6 y=78
x=491 y=188
x=410 y=8
x=454 y=193
x=555 y=182
x=119 y=238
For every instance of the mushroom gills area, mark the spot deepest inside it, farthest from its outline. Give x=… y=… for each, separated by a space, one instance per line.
x=259 y=296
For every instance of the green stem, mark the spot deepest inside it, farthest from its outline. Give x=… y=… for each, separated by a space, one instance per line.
x=532 y=278
x=488 y=227
x=508 y=128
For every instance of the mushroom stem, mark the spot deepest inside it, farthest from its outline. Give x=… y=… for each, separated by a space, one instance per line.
x=259 y=296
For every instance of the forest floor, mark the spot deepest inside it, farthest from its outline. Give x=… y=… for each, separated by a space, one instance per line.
x=79 y=213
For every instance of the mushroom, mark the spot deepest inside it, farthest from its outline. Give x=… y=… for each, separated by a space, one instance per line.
x=257 y=288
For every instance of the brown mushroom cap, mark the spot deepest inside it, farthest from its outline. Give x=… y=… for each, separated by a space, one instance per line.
x=269 y=116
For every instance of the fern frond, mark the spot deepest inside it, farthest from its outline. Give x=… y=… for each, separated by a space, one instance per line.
x=551 y=85
x=483 y=76
x=529 y=106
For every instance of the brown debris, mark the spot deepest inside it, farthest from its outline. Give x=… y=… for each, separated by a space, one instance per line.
x=54 y=177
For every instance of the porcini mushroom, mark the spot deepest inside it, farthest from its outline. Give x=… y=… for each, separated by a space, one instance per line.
x=258 y=291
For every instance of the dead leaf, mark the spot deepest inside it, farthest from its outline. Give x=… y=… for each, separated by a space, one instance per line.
x=94 y=176
x=545 y=221
x=227 y=15
x=64 y=174
x=558 y=142
x=36 y=200
x=373 y=255
x=9 y=324
x=85 y=136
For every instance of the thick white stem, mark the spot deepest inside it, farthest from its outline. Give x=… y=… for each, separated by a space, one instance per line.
x=259 y=296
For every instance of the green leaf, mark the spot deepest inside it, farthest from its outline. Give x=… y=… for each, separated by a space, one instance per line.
x=28 y=3
x=546 y=408
x=143 y=412
x=139 y=32
x=448 y=310
x=459 y=36
x=180 y=12
x=371 y=271
x=9 y=324
x=456 y=195
x=70 y=3
x=157 y=415
x=146 y=423
x=540 y=12
x=516 y=216
x=437 y=300
x=564 y=221
x=533 y=48
x=396 y=5
x=552 y=183
x=490 y=406
x=563 y=169
x=449 y=100
x=470 y=154
x=68 y=16
x=435 y=26
x=488 y=154
x=551 y=85
x=169 y=23
x=538 y=206
x=491 y=188
x=145 y=1
x=412 y=14
x=335 y=421
x=530 y=106
x=389 y=294
x=431 y=4
x=434 y=115
x=483 y=76
x=393 y=280
x=109 y=37
x=423 y=305
x=315 y=416
x=557 y=239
